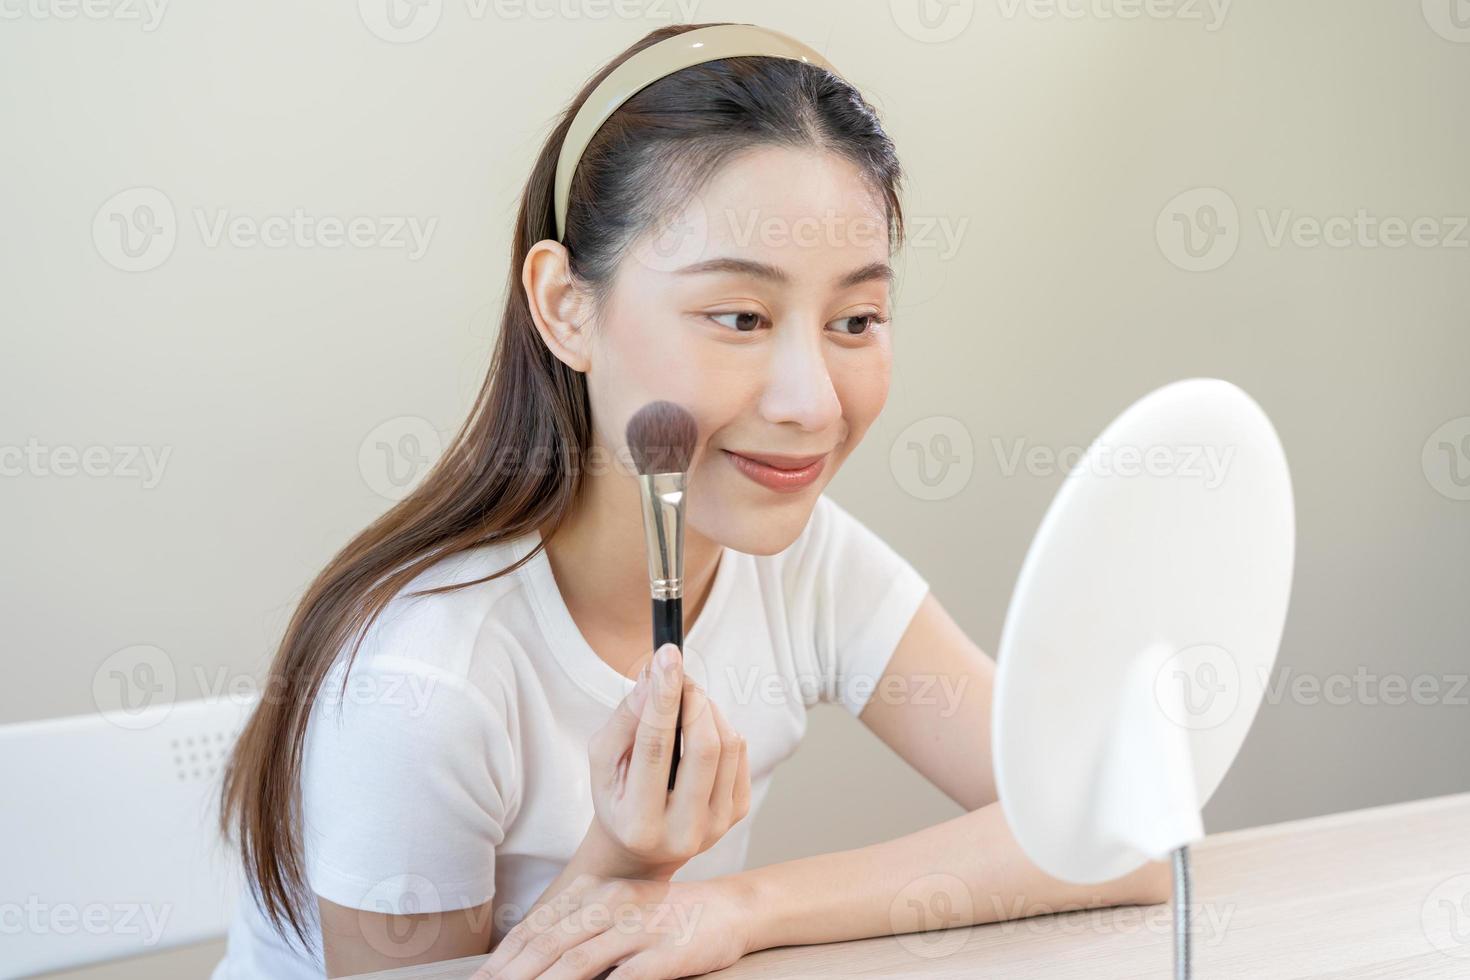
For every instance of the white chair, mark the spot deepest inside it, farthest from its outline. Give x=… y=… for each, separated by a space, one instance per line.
x=108 y=841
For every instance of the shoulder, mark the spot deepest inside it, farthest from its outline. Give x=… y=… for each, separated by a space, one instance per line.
x=849 y=597
x=412 y=764
x=833 y=534
x=846 y=569
x=453 y=637
x=837 y=565
x=425 y=706
x=443 y=628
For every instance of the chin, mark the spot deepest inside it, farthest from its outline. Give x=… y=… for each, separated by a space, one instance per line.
x=765 y=528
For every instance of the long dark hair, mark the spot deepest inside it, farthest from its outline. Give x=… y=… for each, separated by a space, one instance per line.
x=659 y=146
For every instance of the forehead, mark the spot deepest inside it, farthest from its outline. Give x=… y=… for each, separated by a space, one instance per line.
x=807 y=212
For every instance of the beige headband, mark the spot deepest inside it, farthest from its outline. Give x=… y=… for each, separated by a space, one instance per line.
x=654 y=62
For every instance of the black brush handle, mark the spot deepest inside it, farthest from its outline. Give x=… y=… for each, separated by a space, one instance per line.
x=668 y=627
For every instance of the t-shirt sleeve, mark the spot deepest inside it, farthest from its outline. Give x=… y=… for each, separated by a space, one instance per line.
x=852 y=597
x=408 y=784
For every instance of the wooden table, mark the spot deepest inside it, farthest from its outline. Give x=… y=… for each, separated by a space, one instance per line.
x=1375 y=894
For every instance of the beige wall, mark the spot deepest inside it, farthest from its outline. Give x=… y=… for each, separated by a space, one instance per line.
x=1047 y=287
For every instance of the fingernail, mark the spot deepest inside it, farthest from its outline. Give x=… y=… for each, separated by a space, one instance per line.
x=667 y=656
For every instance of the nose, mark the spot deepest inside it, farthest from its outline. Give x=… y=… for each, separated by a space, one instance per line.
x=800 y=386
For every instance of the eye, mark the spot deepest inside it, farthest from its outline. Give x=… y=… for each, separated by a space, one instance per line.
x=744 y=321
x=859 y=324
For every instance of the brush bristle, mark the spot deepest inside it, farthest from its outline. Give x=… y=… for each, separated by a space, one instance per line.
x=661 y=438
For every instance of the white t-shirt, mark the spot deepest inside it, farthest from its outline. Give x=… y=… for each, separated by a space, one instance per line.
x=454 y=768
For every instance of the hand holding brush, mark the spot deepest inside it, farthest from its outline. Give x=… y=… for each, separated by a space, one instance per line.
x=661 y=438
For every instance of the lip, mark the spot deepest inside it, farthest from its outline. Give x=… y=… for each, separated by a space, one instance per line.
x=779 y=472
x=781 y=461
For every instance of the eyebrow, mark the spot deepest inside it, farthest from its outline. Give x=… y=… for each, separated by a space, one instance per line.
x=881 y=271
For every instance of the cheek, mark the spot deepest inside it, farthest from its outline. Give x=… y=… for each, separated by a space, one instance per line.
x=633 y=355
x=643 y=362
x=718 y=405
x=862 y=388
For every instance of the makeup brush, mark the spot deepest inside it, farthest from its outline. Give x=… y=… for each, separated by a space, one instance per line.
x=661 y=437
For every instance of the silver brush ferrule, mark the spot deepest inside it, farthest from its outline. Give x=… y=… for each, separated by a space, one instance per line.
x=663 y=527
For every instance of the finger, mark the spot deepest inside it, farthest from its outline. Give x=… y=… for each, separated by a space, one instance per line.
x=590 y=958
x=689 y=807
x=541 y=921
x=630 y=709
x=570 y=948
x=545 y=949
x=740 y=796
x=652 y=963
x=724 y=788
x=653 y=746
x=616 y=737
x=548 y=948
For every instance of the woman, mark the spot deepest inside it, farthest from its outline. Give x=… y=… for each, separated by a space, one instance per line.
x=454 y=754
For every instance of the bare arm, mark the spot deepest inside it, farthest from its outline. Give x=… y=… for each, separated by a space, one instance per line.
x=932 y=707
x=629 y=760
x=358 y=941
x=964 y=871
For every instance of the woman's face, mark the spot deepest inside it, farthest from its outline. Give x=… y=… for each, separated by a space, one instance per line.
x=762 y=308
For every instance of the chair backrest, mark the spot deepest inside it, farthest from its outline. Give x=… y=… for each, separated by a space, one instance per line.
x=108 y=840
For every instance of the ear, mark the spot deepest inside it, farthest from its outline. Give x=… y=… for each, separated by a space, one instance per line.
x=561 y=311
